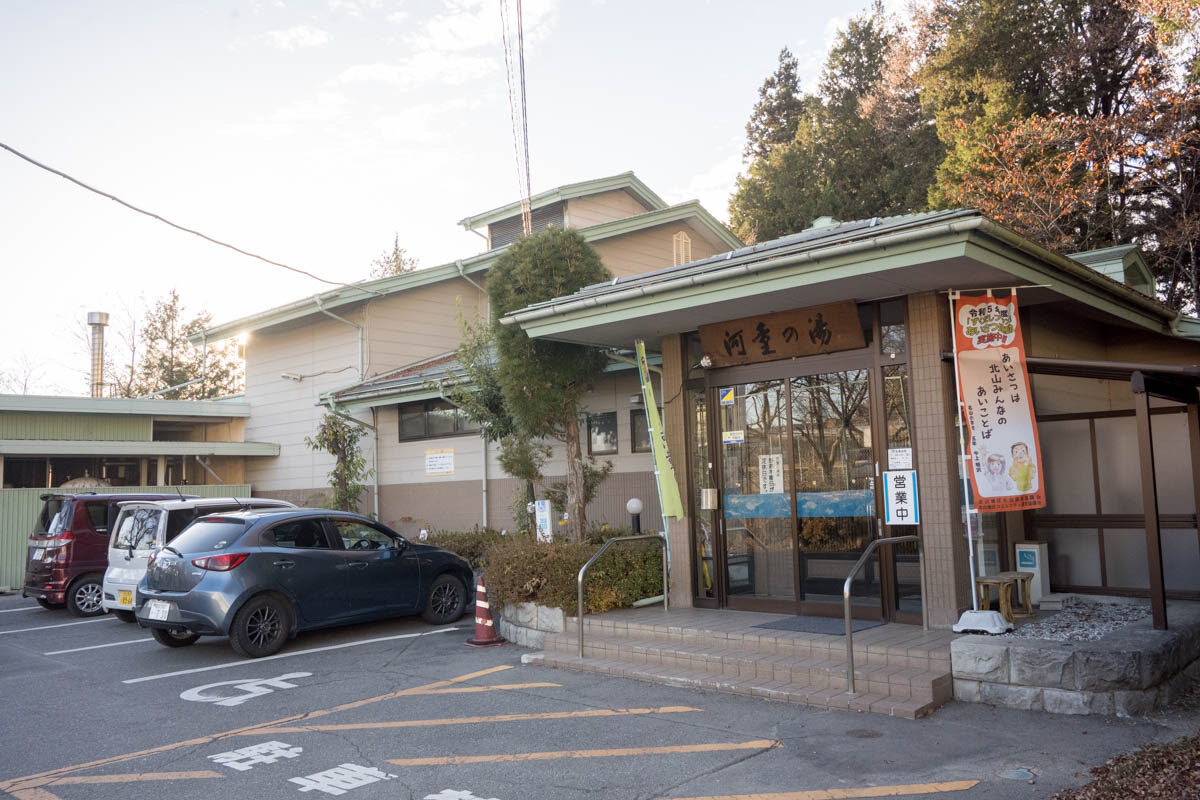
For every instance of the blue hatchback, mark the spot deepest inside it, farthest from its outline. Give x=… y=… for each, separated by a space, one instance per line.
x=261 y=576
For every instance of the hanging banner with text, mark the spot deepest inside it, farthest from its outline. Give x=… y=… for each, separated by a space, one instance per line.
x=1002 y=439
x=901 y=505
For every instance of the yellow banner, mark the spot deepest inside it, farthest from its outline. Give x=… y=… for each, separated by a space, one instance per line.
x=668 y=489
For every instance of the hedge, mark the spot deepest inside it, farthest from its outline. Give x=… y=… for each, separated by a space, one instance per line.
x=520 y=569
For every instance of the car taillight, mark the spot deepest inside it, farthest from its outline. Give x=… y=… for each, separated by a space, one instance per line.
x=150 y=560
x=61 y=539
x=221 y=563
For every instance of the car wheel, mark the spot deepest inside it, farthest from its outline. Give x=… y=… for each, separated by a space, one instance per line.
x=85 y=598
x=173 y=637
x=125 y=615
x=446 y=602
x=44 y=603
x=261 y=627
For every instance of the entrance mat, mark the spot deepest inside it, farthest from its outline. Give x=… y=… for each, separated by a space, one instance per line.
x=827 y=625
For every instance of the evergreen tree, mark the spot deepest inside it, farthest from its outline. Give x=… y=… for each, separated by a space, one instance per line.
x=778 y=110
x=396 y=261
x=544 y=382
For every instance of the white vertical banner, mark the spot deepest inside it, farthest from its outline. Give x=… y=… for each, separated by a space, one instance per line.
x=901 y=506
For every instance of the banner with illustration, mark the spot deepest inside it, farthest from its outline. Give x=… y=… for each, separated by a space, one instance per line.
x=1005 y=456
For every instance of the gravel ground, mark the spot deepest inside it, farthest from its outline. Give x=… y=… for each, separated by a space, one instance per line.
x=1082 y=621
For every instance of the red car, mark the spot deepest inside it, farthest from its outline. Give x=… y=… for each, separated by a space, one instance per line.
x=68 y=549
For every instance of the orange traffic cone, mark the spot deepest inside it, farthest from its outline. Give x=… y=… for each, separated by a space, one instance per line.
x=485 y=629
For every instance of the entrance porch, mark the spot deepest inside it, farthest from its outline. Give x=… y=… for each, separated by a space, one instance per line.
x=899 y=669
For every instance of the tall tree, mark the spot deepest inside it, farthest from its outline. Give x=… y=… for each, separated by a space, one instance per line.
x=544 y=382
x=339 y=438
x=167 y=359
x=393 y=262
x=862 y=145
x=778 y=110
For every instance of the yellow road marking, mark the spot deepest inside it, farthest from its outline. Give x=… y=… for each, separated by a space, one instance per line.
x=499 y=687
x=130 y=777
x=851 y=793
x=420 y=723
x=25 y=787
x=757 y=744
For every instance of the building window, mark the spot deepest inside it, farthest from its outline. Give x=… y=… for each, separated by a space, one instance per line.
x=683 y=248
x=602 y=433
x=431 y=419
x=639 y=427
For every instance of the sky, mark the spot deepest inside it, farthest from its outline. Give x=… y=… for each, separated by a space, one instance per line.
x=314 y=132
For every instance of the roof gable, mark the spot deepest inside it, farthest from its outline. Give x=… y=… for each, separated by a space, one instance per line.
x=626 y=180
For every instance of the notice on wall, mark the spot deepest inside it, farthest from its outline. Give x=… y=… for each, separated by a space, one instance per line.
x=900 y=458
x=770 y=473
x=901 y=505
x=1006 y=458
x=439 y=462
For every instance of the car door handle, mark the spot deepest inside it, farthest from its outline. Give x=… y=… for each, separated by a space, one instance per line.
x=358 y=564
x=285 y=564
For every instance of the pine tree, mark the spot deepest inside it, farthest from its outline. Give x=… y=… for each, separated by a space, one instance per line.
x=778 y=110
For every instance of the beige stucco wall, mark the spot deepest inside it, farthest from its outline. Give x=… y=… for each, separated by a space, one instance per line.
x=649 y=250
x=603 y=207
x=420 y=323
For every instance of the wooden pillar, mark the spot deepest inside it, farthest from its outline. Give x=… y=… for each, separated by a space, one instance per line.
x=162 y=472
x=1158 y=599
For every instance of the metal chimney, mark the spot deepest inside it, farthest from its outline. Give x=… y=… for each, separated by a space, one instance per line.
x=97 y=321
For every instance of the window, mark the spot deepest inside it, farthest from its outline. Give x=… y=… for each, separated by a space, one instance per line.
x=683 y=248
x=602 y=433
x=431 y=419
x=354 y=535
x=98 y=516
x=302 y=534
x=639 y=427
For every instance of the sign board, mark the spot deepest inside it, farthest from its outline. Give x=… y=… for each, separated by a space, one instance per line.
x=439 y=462
x=1006 y=459
x=770 y=473
x=726 y=395
x=901 y=506
x=733 y=437
x=545 y=526
x=900 y=458
x=784 y=334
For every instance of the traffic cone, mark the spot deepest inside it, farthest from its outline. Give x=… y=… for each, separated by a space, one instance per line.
x=485 y=629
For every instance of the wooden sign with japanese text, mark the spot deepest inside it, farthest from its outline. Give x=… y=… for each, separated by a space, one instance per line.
x=784 y=334
x=1006 y=457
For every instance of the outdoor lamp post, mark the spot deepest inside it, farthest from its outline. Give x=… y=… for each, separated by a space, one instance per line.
x=634 y=507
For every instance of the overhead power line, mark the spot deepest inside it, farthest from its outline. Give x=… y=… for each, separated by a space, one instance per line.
x=514 y=68
x=177 y=226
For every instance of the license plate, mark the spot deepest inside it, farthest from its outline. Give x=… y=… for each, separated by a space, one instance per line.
x=37 y=554
x=126 y=597
x=157 y=609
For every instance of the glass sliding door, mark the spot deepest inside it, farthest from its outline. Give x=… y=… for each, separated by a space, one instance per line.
x=833 y=467
x=756 y=508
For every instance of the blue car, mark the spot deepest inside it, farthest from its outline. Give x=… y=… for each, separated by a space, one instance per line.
x=261 y=576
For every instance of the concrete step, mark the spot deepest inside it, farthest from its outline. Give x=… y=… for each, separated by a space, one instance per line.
x=820 y=689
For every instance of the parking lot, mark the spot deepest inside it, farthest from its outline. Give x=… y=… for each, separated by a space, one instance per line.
x=95 y=708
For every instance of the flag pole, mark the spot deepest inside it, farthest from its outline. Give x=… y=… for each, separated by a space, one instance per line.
x=962 y=454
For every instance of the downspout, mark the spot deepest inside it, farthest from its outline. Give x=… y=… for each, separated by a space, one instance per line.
x=356 y=326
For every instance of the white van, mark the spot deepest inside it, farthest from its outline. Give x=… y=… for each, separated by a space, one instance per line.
x=144 y=526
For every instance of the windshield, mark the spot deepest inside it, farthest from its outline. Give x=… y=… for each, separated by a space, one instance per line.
x=137 y=527
x=56 y=515
x=209 y=533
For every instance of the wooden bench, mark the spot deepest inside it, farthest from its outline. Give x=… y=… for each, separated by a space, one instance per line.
x=1004 y=586
x=1025 y=581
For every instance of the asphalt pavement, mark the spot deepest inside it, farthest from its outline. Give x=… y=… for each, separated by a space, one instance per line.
x=401 y=709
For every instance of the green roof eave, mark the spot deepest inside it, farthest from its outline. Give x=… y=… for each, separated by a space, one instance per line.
x=753 y=274
x=1188 y=327
x=132 y=406
x=87 y=447
x=626 y=180
x=663 y=216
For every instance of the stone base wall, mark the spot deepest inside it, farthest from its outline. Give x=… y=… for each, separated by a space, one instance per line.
x=526 y=624
x=1130 y=672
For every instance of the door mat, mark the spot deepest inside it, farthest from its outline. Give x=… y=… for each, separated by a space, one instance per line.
x=827 y=625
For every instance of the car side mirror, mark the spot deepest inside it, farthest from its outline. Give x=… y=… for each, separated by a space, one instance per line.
x=400 y=544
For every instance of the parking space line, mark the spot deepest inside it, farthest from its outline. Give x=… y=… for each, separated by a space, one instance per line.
x=421 y=723
x=59 y=625
x=249 y=662
x=26 y=787
x=96 y=647
x=498 y=687
x=902 y=790
x=15 y=610
x=131 y=777
x=494 y=758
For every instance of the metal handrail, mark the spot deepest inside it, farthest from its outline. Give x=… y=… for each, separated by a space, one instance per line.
x=846 y=597
x=662 y=539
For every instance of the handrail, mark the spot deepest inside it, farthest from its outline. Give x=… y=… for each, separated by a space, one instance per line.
x=846 y=597
x=662 y=539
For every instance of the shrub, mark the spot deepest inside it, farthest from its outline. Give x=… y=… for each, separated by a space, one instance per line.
x=522 y=570
x=472 y=545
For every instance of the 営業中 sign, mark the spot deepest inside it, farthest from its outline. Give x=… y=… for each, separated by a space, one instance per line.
x=900 y=501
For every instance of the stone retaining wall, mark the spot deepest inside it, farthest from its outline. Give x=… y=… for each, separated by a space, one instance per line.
x=527 y=624
x=1129 y=672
